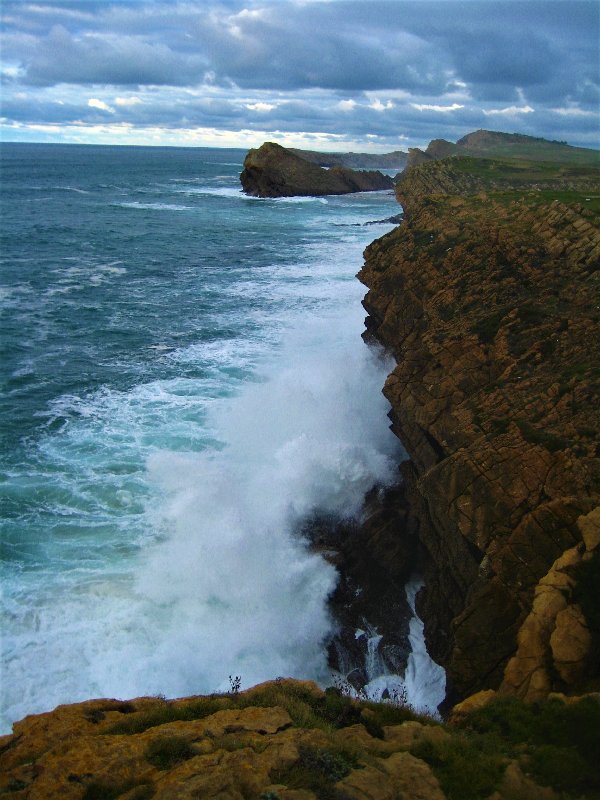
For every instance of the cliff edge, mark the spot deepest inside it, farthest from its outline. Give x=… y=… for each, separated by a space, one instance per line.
x=288 y=740
x=274 y=171
x=487 y=295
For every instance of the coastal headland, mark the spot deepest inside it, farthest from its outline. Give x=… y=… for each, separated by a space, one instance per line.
x=487 y=297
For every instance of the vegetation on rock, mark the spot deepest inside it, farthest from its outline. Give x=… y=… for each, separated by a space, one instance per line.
x=288 y=740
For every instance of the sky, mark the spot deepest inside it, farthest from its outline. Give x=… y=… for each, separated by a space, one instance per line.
x=367 y=75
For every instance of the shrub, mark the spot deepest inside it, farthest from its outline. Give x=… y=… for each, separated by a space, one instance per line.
x=463 y=767
x=318 y=770
x=167 y=751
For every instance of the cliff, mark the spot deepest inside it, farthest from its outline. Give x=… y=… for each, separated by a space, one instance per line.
x=494 y=144
x=288 y=740
x=487 y=295
x=274 y=171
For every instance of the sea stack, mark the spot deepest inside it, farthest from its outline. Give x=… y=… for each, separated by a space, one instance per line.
x=274 y=171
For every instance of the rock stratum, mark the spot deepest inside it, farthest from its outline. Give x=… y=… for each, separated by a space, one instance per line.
x=487 y=296
x=288 y=740
x=274 y=171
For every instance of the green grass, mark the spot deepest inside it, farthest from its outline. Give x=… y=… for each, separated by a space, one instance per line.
x=318 y=770
x=169 y=712
x=560 y=740
x=168 y=751
x=465 y=769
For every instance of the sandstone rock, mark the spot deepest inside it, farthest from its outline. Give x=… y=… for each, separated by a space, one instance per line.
x=589 y=526
x=472 y=703
x=410 y=778
x=274 y=171
x=570 y=643
x=502 y=441
x=517 y=786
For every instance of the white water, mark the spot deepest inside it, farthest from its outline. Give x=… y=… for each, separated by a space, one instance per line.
x=423 y=686
x=223 y=586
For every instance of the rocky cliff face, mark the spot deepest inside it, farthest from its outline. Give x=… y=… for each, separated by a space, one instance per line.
x=487 y=296
x=275 y=171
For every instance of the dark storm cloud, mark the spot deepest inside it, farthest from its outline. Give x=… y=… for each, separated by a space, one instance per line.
x=287 y=65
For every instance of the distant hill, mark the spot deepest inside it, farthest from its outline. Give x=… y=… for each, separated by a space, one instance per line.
x=493 y=144
x=395 y=160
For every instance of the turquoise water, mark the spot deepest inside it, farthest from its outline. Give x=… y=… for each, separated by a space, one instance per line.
x=183 y=380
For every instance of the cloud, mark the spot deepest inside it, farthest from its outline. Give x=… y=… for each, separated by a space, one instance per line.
x=93 y=102
x=262 y=107
x=439 y=109
x=344 y=68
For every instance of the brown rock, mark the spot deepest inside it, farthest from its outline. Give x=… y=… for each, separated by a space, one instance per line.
x=410 y=778
x=504 y=464
x=570 y=644
x=472 y=703
x=274 y=171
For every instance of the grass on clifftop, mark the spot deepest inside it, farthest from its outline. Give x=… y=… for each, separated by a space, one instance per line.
x=555 y=743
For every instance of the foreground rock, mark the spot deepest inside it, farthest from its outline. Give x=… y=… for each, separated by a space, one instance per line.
x=484 y=296
x=288 y=740
x=274 y=171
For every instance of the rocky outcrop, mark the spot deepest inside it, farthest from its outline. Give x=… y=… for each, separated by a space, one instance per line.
x=288 y=740
x=274 y=171
x=395 y=160
x=483 y=296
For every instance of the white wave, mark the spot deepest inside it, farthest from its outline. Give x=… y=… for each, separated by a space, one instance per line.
x=156 y=206
x=222 y=191
x=70 y=189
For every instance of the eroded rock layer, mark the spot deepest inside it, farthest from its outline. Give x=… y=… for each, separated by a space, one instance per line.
x=487 y=295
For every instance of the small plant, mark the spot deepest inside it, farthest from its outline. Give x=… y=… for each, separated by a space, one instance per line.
x=235 y=684
x=318 y=770
x=465 y=771
x=100 y=790
x=167 y=751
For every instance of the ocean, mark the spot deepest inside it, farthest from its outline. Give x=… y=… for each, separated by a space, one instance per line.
x=183 y=383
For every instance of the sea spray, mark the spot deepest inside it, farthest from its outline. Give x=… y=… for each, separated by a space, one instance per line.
x=234 y=581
